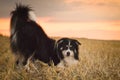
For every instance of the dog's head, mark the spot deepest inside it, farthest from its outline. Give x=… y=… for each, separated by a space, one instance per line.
x=67 y=48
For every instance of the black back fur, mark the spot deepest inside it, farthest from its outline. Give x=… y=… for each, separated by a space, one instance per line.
x=27 y=37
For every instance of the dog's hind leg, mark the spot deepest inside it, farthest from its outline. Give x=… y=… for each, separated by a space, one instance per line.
x=18 y=60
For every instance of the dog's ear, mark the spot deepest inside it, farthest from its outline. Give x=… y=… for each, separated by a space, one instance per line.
x=57 y=43
x=56 y=49
x=77 y=42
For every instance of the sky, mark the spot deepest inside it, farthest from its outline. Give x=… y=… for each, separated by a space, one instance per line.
x=94 y=19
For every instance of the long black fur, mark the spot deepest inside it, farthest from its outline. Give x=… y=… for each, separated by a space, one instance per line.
x=28 y=38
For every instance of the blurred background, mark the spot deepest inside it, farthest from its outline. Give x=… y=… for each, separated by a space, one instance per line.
x=94 y=19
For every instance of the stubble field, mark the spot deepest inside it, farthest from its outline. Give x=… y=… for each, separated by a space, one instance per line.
x=99 y=60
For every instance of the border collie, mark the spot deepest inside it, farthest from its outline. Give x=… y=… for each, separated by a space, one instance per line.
x=28 y=40
x=67 y=51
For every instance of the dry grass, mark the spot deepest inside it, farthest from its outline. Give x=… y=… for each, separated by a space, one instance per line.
x=99 y=60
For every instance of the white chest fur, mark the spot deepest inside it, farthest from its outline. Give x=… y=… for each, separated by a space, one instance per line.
x=68 y=61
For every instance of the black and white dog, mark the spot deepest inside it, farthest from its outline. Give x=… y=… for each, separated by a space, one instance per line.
x=67 y=51
x=28 y=40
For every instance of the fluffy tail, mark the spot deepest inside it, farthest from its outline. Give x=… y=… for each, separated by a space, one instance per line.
x=19 y=16
x=22 y=13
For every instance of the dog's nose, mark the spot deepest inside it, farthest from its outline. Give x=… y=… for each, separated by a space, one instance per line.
x=68 y=53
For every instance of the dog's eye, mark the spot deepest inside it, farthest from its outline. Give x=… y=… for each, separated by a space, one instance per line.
x=61 y=48
x=65 y=48
x=71 y=48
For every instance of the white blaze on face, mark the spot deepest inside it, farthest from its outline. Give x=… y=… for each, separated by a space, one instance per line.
x=65 y=52
x=32 y=16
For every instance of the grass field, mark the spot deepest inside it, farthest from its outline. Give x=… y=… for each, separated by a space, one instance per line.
x=99 y=60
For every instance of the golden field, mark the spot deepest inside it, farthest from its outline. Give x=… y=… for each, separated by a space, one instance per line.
x=99 y=60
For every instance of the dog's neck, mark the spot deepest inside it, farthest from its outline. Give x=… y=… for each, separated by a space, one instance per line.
x=68 y=61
